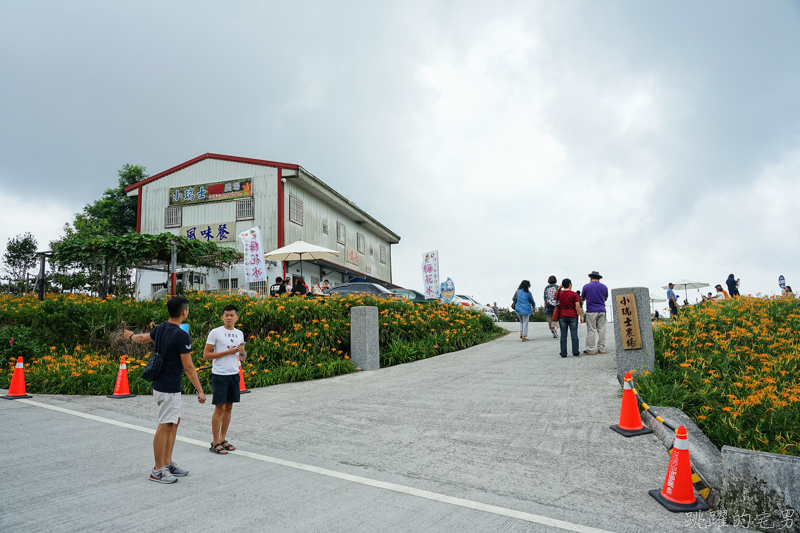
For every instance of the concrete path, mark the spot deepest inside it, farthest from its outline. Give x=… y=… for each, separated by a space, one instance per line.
x=506 y=436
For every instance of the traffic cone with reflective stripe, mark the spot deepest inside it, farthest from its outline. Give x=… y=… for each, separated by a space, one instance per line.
x=678 y=492
x=242 y=388
x=121 y=388
x=17 y=388
x=630 y=421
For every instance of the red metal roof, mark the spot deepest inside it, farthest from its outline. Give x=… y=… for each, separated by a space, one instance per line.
x=221 y=157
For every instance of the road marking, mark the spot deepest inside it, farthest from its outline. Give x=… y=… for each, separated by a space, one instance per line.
x=428 y=495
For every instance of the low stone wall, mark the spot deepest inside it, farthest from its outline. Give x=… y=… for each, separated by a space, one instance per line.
x=764 y=487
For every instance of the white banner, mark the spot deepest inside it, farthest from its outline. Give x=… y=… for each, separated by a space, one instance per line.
x=254 y=268
x=430 y=275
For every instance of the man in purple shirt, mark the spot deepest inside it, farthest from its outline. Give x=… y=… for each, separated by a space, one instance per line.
x=595 y=295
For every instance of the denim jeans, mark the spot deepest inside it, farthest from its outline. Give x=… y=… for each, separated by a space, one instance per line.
x=570 y=322
x=523 y=324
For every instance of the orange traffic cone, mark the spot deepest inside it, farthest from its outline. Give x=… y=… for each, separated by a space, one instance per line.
x=678 y=492
x=630 y=421
x=17 y=388
x=242 y=388
x=121 y=388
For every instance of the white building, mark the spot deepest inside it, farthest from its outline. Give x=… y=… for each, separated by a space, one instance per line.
x=215 y=197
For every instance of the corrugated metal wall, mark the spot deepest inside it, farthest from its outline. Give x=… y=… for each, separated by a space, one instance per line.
x=155 y=199
x=315 y=212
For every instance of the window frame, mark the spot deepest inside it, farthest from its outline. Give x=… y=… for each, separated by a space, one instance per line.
x=241 y=201
x=361 y=243
x=384 y=255
x=175 y=208
x=324 y=227
x=343 y=241
x=294 y=211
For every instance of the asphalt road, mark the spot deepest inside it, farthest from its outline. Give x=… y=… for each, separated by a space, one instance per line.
x=505 y=437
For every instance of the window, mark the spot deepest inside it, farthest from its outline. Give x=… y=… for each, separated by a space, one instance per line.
x=155 y=287
x=325 y=227
x=223 y=284
x=314 y=280
x=296 y=210
x=383 y=255
x=244 y=209
x=258 y=286
x=370 y=249
x=361 y=244
x=173 y=216
x=340 y=233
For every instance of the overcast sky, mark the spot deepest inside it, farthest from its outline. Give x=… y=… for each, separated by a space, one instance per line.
x=650 y=141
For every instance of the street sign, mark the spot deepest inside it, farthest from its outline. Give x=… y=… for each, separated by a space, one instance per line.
x=782 y=282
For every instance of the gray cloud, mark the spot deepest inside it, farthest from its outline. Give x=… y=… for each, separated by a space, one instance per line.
x=521 y=139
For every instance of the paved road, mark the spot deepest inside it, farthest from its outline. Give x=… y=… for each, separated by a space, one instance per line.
x=506 y=436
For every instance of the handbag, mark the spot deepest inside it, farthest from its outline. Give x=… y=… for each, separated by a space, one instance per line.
x=514 y=303
x=556 y=310
x=153 y=367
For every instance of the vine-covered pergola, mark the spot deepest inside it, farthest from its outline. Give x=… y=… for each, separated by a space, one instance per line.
x=118 y=254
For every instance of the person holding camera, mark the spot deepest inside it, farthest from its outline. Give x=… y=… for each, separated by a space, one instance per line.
x=224 y=348
x=569 y=309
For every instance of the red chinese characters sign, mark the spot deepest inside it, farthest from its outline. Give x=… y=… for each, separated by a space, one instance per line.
x=628 y=317
x=351 y=256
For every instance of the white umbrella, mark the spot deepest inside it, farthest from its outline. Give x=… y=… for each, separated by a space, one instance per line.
x=297 y=250
x=654 y=300
x=686 y=285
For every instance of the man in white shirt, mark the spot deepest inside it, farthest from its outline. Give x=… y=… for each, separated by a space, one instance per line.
x=224 y=348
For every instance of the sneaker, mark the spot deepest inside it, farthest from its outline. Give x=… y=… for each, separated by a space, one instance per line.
x=162 y=476
x=588 y=352
x=554 y=332
x=177 y=471
x=601 y=352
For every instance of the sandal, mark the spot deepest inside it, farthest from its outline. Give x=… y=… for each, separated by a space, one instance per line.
x=218 y=448
x=230 y=447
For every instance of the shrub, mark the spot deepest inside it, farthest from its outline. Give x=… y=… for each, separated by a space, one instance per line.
x=288 y=339
x=733 y=366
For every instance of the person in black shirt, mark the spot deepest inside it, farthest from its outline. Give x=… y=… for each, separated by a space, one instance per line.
x=733 y=285
x=277 y=288
x=299 y=288
x=175 y=346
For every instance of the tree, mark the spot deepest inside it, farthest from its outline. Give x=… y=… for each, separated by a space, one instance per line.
x=114 y=213
x=20 y=256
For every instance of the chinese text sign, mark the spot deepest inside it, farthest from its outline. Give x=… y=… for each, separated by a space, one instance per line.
x=629 y=322
x=430 y=275
x=254 y=268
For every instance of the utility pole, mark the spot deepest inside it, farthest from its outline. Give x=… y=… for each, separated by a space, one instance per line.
x=174 y=264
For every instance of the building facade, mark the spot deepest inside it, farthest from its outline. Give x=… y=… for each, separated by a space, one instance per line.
x=215 y=197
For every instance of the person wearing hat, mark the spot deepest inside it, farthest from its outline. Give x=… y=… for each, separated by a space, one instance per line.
x=673 y=301
x=595 y=295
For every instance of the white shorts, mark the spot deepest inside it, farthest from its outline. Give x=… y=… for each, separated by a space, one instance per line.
x=169 y=406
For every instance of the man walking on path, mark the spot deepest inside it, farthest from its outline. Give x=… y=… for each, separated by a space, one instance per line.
x=224 y=348
x=175 y=347
x=550 y=303
x=673 y=301
x=595 y=295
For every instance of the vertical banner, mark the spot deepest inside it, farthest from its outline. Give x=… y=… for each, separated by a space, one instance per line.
x=430 y=275
x=254 y=269
x=448 y=290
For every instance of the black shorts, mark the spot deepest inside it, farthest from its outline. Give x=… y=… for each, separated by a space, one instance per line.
x=225 y=389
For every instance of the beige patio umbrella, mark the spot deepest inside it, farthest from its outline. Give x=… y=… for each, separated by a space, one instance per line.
x=686 y=285
x=299 y=250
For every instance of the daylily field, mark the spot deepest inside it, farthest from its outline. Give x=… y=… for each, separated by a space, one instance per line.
x=734 y=367
x=72 y=343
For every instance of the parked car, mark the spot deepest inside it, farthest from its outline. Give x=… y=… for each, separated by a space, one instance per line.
x=469 y=301
x=410 y=294
x=360 y=287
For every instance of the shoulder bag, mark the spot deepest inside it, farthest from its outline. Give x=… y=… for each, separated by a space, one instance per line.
x=156 y=361
x=556 y=310
x=514 y=302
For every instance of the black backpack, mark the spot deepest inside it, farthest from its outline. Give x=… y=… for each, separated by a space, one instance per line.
x=156 y=361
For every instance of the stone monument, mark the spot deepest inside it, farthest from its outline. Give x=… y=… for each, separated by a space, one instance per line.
x=364 y=348
x=633 y=330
